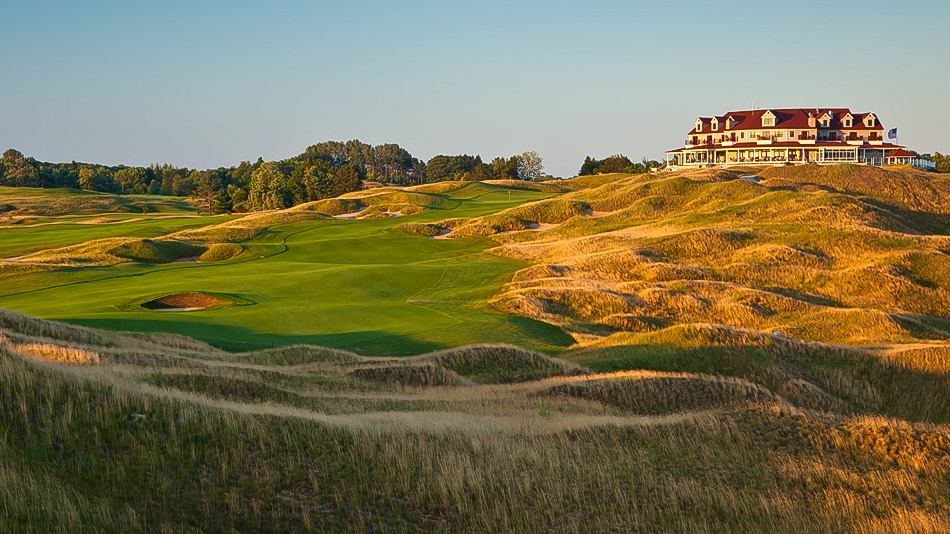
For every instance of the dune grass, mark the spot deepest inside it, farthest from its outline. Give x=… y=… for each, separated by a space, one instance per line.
x=62 y=201
x=161 y=434
x=843 y=254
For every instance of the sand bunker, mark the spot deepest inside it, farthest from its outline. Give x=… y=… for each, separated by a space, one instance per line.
x=182 y=302
x=351 y=215
x=443 y=234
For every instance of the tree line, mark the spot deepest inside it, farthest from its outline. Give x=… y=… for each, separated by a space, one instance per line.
x=323 y=170
x=942 y=161
x=616 y=163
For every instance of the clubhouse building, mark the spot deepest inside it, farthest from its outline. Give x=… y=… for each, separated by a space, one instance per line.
x=779 y=136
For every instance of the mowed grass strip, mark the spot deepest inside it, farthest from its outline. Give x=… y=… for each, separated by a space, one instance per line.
x=353 y=284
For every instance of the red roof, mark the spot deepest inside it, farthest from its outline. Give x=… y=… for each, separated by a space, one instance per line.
x=788 y=119
x=900 y=153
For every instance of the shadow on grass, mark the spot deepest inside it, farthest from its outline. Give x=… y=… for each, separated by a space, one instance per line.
x=241 y=339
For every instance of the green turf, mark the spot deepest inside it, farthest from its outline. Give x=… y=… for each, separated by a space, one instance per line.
x=354 y=284
x=16 y=241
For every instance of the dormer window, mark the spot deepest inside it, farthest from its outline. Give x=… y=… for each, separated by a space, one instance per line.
x=768 y=119
x=869 y=121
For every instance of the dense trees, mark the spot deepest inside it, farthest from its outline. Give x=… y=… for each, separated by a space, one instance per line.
x=449 y=168
x=17 y=170
x=323 y=170
x=942 y=161
x=527 y=166
x=616 y=163
x=387 y=163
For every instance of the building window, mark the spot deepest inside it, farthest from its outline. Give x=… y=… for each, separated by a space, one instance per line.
x=741 y=135
x=791 y=135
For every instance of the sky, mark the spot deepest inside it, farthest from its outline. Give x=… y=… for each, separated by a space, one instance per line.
x=210 y=84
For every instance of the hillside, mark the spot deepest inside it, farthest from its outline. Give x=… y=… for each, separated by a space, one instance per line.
x=746 y=350
x=130 y=432
x=338 y=272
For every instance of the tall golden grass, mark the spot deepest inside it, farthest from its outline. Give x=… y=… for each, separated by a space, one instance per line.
x=164 y=436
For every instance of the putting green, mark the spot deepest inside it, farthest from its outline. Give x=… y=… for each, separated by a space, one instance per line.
x=354 y=284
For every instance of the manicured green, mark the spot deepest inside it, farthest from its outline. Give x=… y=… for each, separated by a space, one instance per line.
x=17 y=241
x=354 y=284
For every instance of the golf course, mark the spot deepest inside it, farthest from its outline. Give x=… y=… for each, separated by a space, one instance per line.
x=685 y=351
x=357 y=284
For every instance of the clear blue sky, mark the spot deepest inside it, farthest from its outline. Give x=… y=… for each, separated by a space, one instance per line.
x=208 y=84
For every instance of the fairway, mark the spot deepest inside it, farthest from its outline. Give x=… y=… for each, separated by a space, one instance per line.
x=354 y=284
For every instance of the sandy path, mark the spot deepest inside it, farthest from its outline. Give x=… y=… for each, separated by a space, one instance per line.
x=598 y=214
x=351 y=215
x=532 y=227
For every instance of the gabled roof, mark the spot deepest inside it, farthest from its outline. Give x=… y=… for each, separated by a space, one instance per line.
x=900 y=153
x=790 y=119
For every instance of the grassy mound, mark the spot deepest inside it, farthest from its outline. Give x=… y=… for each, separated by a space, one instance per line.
x=408 y=375
x=331 y=206
x=545 y=187
x=703 y=247
x=221 y=252
x=907 y=188
x=664 y=395
x=297 y=355
x=167 y=438
x=111 y=251
x=418 y=229
x=499 y=364
x=61 y=201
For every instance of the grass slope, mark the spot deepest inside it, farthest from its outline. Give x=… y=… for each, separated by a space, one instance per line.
x=159 y=433
x=846 y=254
x=355 y=284
x=57 y=202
